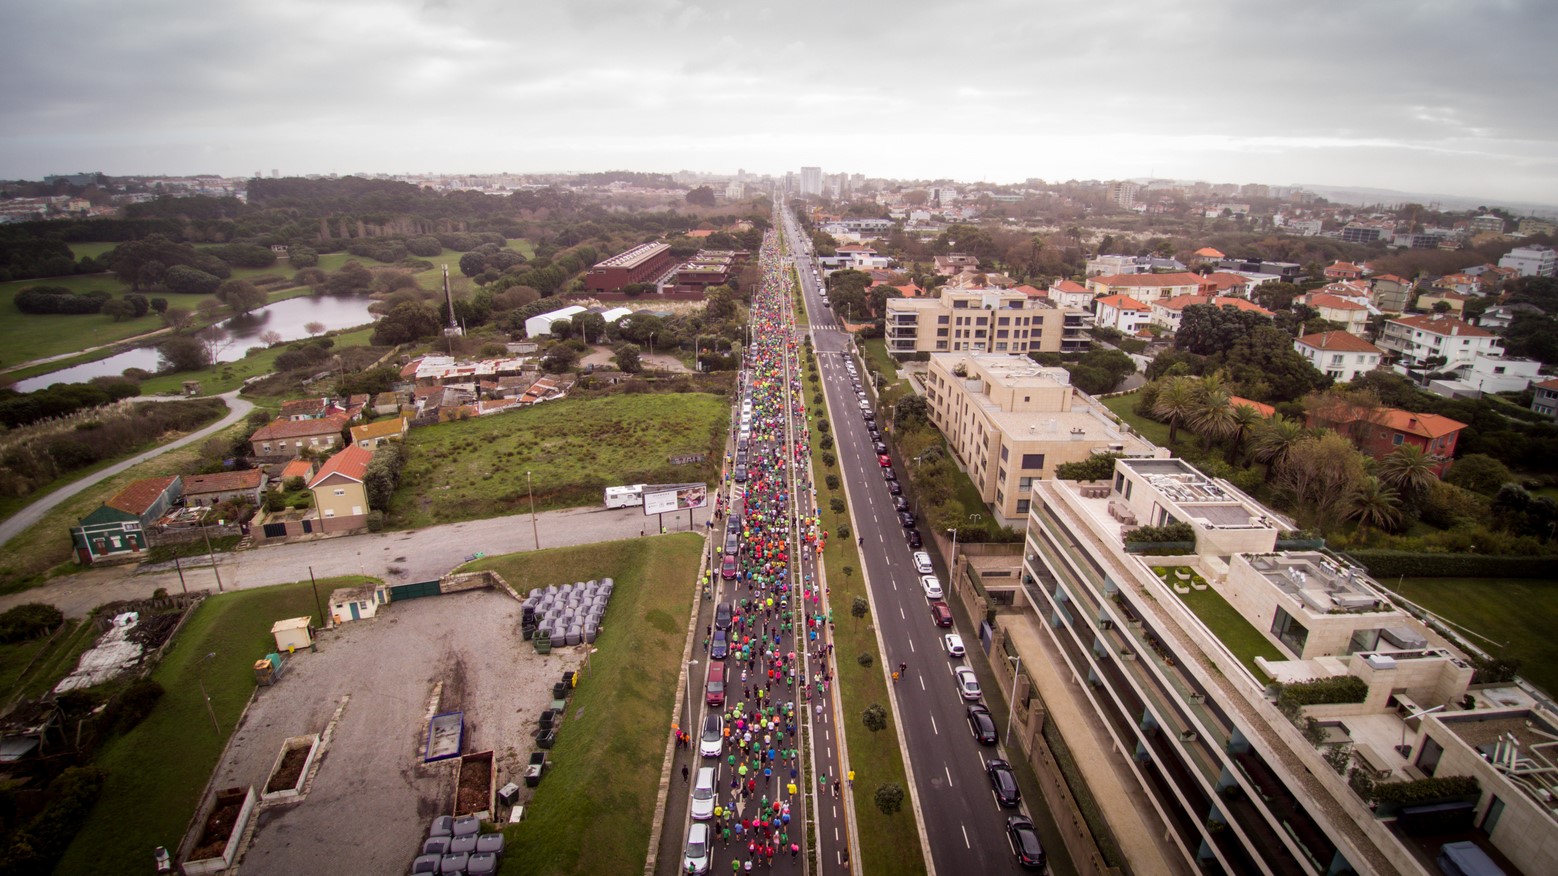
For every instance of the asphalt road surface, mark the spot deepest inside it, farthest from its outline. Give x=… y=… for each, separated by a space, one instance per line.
x=965 y=826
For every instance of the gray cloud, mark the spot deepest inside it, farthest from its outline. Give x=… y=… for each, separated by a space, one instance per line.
x=1430 y=96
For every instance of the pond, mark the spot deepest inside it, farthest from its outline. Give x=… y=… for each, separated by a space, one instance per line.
x=287 y=318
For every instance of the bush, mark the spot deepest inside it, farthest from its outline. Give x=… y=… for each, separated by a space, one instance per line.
x=1168 y=532
x=1098 y=467
x=375 y=521
x=131 y=706
x=843 y=530
x=29 y=621
x=875 y=716
x=37 y=847
x=865 y=659
x=1431 y=790
x=828 y=459
x=889 y=798
x=1394 y=564
x=190 y=281
x=832 y=481
x=836 y=504
x=1323 y=691
x=826 y=443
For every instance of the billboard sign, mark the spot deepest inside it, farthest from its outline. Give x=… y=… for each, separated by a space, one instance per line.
x=679 y=498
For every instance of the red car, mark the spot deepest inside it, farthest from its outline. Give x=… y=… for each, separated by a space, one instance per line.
x=728 y=568
x=941 y=614
x=884 y=461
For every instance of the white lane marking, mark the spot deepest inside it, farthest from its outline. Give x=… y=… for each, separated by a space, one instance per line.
x=922 y=682
x=966 y=844
x=948 y=770
x=933 y=727
x=901 y=614
x=911 y=641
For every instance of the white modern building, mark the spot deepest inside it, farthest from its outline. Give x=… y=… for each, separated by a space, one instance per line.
x=538 y=326
x=1416 y=340
x=1532 y=261
x=1121 y=313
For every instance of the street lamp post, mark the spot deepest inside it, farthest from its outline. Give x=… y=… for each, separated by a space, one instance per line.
x=534 y=531
x=1402 y=749
x=211 y=553
x=691 y=668
x=953 y=570
x=1011 y=700
x=651 y=343
x=200 y=676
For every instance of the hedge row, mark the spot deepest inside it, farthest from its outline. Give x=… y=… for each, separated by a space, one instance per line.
x=1431 y=790
x=1393 y=564
x=1323 y=691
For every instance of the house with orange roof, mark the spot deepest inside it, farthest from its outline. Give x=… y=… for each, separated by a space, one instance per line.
x=1340 y=270
x=1207 y=252
x=1146 y=287
x=1466 y=284
x=1070 y=294
x=340 y=491
x=119 y=529
x=1351 y=315
x=1168 y=314
x=1544 y=398
x=297 y=468
x=1225 y=283
x=1418 y=340
x=370 y=435
x=1378 y=433
x=1453 y=300
x=288 y=439
x=1121 y=313
x=1339 y=355
x=223 y=486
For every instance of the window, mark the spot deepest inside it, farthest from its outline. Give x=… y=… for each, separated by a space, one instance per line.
x=1025 y=485
x=340 y=491
x=1395 y=439
x=329 y=512
x=1032 y=461
x=1428 y=758
x=1005 y=452
x=1290 y=632
x=1023 y=506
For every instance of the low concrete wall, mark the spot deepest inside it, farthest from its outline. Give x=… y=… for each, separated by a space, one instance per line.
x=293 y=743
x=230 y=849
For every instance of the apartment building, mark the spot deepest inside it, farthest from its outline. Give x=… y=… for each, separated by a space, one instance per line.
x=1146 y=288
x=1532 y=261
x=1416 y=340
x=1179 y=656
x=983 y=320
x=1010 y=422
x=641 y=264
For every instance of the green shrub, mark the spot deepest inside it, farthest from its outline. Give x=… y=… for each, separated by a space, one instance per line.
x=1176 y=532
x=1322 y=691
x=1098 y=467
x=37 y=847
x=29 y=621
x=833 y=481
x=1430 y=790
x=836 y=504
x=1394 y=564
x=375 y=521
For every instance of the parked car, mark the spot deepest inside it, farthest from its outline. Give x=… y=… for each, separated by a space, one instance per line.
x=954 y=644
x=719 y=646
x=968 y=683
x=982 y=725
x=888 y=474
x=1025 y=843
x=884 y=461
x=722 y=615
x=922 y=563
x=895 y=488
x=696 y=859
x=881 y=447
x=931 y=586
x=941 y=614
x=906 y=519
x=703 y=795
x=913 y=535
x=876 y=434
x=714 y=686
x=727 y=568
x=900 y=503
x=1003 y=781
x=712 y=742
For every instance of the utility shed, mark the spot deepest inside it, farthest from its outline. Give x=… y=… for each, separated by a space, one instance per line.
x=292 y=634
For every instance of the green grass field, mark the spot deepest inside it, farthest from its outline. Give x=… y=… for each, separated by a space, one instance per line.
x=1515 y=614
x=1123 y=407
x=592 y=813
x=94 y=249
x=32 y=668
x=157 y=771
x=886 y=846
x=573 y=449
x=26 y=559
x=1228 y=625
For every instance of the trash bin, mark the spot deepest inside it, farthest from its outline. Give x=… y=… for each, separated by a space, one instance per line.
x=559 y=690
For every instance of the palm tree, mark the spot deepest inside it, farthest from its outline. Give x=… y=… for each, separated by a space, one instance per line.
x=1275 y=440
x=1245 y=418
x=1177 y=402
x=1409 y=470
x=1376 y=504
x=1213 y=417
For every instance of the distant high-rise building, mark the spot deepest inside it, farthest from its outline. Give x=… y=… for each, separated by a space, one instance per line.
x=811 y=181
x=1124 y=193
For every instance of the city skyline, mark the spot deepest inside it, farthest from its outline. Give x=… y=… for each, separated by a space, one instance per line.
x=996 y=92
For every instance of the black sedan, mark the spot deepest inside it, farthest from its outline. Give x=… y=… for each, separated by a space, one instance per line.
x=1003 y=781
x=881 y=448
x=719 y=646
x=982 y=724
x=1025 y=843
x=905 y=519
x=895 y=488
x=888 y=474
x=914 y=539
x=900 y=503
x=722 y=615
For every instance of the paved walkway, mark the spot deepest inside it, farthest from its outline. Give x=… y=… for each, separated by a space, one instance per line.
x=237 y=409
x=396 y=557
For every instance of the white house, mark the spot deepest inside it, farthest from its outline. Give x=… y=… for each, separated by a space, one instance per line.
x=1123 y=313
x=1338 y=355
x=1352 y=315
x=1417 y=339
x=1488 y=373
x=1070 y=294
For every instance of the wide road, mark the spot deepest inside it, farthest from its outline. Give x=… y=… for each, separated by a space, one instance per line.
x=964 y=824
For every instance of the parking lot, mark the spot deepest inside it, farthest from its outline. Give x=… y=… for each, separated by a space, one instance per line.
x=370 y=802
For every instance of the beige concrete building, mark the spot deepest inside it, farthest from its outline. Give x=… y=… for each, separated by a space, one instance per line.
x=1011 y=421
x=982 y=320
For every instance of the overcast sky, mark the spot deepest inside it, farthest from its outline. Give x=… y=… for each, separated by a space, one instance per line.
x=1417 y=95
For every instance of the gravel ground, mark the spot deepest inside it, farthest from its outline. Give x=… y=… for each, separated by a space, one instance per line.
x=368 y=808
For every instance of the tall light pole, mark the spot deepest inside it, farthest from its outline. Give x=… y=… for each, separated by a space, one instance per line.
x=212 y=554
x=691 y=668
x=651 y=343
x=534 y=531
x=1011 y=700
x=953 y=571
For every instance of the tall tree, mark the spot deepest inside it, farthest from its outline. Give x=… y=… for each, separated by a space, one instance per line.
x=1375 y=504
x=1177 y=403
x=1409 y=470
x=1321 y=475
x=1274 y=441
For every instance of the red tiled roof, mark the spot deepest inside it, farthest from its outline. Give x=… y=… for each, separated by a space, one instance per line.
x=223 y=481
x=1443 y=325
x=1207 y=252
x=307 y=407
x=1263 y=409
x=700 y=232
x=351 y=463
x=1069 y=286
x=1322 y=299
x=138 y=496
x=1151 y=281
x=1426 y=425
x=1030 y=291
x=1551 y=384
x=1220 y=280
x=284 y=429
x=297 y=468
x=1392 y=278
x=1340 y=342
x=1180 y=302
x=1123 y=302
